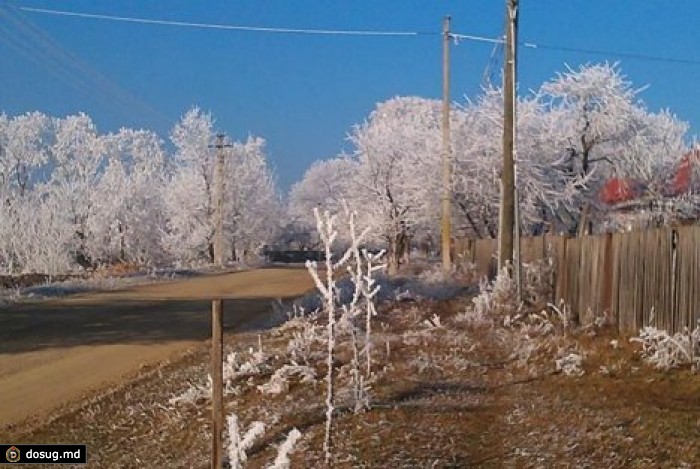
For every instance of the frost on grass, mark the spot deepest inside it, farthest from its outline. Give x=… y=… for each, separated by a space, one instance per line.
x=280 y=380
x=434 y=322
x=499 y=298
x=238 y=445
x=571 y=364
x=236 y=366
x=192 y=395
x=282 y=460
x=665 y=351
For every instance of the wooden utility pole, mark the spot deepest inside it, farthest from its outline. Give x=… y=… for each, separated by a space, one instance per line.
x=217 y=383
x=446 y=151
x=219 y=231
x=507 y=209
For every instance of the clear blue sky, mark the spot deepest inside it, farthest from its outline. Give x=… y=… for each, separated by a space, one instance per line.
x=303 y=93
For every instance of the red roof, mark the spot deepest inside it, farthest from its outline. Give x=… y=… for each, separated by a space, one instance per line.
x=616 y=190
x=683 y=178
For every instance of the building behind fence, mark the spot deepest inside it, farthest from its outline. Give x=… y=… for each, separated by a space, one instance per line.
x=639 y=278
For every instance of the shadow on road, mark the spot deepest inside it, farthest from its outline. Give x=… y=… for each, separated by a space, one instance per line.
x=30 y=327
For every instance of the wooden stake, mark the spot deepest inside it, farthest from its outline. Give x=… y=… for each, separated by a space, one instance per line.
x=217 y=385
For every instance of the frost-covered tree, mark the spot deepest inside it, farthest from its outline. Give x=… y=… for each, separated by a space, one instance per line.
x=252 y=207
x=127 y=224
x=396 y=181
x=251 y=204
x=608 y=130
x=324 y=184
x=542 y=189
x=79 y=155
x=23 y=159
x=578 y=130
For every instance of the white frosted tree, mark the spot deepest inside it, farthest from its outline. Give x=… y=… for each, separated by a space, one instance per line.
x=79 y=154
x=23 y=158
x=608 y=130
x=397 y=179
x=188 y=195
x=250 y=201
x=324 y=184
x=252 y=206
x=577 y=131
x=129 y=209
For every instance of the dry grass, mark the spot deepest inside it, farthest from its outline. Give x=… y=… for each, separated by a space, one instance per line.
x=454 y=396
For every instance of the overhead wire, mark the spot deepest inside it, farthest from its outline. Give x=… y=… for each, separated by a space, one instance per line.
x=351 y=32
x=128 y=19
x=30 y=41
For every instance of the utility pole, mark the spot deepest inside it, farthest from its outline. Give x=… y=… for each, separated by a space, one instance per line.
x=446 y=231
x=507 y=209
x=219 y=232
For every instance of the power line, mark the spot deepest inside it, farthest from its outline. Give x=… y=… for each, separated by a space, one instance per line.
x=350 y=32
x=628 y=55
x=127 y=19
x=26 y=39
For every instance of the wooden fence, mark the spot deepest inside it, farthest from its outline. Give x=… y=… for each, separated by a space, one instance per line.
x=626 y=275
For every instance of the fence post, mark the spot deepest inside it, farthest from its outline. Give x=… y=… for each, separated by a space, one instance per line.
x=217 y=388
x=561 y=272
x=608 y=276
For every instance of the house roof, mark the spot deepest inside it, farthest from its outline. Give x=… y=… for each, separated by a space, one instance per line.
x=617 y=190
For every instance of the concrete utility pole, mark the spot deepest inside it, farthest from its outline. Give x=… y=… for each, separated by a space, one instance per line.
x=219 y=233
x=446 y=151
x=507 y=209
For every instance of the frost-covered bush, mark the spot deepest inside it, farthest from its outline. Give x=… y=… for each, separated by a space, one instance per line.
x=474 y=318
x=538 y=281
x=570 y=364
x=665 y=351
x=192 y=394
x=237 y=366
x=499 y=298
x=361 y=266
x=306 y=336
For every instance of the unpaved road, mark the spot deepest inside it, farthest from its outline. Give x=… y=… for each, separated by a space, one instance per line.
x=53 y=353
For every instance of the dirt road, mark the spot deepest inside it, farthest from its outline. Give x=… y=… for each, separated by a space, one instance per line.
x=57 y=352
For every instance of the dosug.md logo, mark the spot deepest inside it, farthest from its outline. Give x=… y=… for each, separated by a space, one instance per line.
x=12 y=454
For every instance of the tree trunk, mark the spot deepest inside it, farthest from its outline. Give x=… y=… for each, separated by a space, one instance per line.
x=392 y=257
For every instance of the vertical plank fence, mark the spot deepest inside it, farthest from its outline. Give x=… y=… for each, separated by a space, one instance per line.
x=638 y=278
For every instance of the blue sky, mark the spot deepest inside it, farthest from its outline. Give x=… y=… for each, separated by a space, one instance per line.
x=303 y=93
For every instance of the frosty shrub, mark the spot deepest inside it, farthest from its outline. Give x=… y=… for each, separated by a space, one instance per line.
x=570 y=364
x=499 y=298
x=665 y=351
x=235 y=367
x=361 y=266
x=436 y=274
x=538 y=281
x=475 y=318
